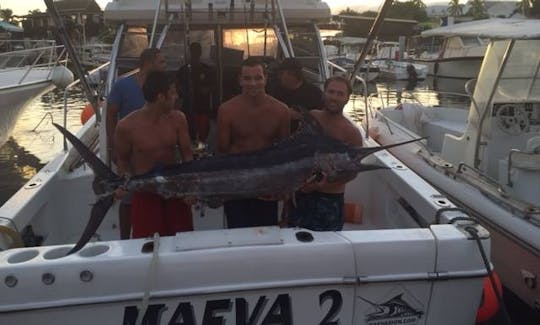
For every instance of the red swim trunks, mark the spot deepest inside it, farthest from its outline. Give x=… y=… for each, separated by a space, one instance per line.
x=150 y=213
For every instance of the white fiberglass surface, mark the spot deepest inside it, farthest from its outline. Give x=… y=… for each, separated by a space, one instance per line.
x=520 y=80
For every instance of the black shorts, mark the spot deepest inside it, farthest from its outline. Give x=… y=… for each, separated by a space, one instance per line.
x=251 y=213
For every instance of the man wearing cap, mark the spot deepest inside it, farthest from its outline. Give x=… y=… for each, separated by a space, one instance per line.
x=294 y=90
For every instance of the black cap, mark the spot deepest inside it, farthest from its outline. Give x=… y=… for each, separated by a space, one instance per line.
x=290 y=64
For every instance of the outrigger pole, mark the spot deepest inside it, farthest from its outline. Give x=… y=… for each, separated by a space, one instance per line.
x=81 y=74
x=372 y=33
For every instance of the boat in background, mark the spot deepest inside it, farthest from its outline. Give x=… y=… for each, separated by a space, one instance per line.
x=407 y=255
x=93 y=55
x=460 y=54
x=33 y=68
x=486 y=157
x=393 y=67
x=343 y=52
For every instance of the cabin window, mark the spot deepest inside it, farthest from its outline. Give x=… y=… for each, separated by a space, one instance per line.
x=251 y=42
x=470 y=41
x=174 y=47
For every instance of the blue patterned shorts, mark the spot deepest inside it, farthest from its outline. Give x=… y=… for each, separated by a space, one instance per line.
x=318 y=211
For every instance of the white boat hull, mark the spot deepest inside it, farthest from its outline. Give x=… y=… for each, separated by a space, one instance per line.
x=516 y=242
x=14 y=99
x=397 y=70
x=461 y=67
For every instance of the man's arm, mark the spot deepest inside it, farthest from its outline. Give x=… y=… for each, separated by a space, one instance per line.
x=223 y=131
x=123 y=148
x=184 y=139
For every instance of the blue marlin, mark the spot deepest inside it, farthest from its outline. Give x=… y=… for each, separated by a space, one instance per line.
x=282 y=168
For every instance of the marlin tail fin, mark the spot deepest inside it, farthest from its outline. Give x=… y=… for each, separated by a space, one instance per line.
x=98 y=212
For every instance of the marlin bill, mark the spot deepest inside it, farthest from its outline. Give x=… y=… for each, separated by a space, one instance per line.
x=280 y=169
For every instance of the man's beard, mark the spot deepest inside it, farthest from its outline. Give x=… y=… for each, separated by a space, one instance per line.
x=337 y=109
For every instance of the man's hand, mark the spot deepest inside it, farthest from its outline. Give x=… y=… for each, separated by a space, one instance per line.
x=315 y=182
x=120 y=193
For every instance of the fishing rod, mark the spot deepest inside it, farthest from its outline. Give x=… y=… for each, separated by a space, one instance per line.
x=371 y=36
x=91 y=94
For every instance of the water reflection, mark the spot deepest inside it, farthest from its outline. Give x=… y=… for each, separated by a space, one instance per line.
x=17 y=166
x=32 y=144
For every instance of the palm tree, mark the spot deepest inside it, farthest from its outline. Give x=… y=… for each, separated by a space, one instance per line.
x=6 y=14
x=418 y=4
x=454 y=8
x=478 y=9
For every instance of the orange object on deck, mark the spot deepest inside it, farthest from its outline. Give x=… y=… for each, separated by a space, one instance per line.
x=490 y=304
x=86 y=113
x=353 y=213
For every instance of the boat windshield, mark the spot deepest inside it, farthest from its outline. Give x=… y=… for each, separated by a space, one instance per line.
x=520 y=79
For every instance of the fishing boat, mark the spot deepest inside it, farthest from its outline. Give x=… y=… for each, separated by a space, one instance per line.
x=26 y=72
x=460 y=54
x=407 y=255
x=486 y=158
x=393 y=67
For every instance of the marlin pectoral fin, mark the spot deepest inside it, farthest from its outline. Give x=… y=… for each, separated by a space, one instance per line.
x=97 y=214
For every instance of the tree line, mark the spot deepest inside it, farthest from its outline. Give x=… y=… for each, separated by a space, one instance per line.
x=416 y=10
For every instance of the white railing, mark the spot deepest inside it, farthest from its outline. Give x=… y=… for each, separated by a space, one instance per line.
x=40 y=54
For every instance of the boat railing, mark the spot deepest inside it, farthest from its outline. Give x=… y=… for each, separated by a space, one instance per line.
x=41 y=57
x=91 y=74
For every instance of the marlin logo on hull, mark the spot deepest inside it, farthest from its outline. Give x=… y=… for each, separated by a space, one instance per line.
x=281 y=168
x=394 y=311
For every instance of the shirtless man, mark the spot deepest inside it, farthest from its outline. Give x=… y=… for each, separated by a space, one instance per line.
x=319 y=205
x=125 y=97
x=149 y=138
x=251 y=121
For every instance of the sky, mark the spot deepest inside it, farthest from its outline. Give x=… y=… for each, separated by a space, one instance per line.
x=21 y=7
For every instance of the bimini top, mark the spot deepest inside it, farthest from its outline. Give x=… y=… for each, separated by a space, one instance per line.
x=224 y=12
x=496 y=28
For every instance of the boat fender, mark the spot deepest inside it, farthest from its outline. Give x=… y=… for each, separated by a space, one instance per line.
x=62 y=76
x=14 y=237
x=88 y=112
x=490 y=304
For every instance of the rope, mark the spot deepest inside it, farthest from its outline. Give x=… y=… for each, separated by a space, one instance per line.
x=474 y=233
x=150 y=279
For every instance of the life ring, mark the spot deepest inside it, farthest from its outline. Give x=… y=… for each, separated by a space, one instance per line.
x=490 y=304
x=13 y=235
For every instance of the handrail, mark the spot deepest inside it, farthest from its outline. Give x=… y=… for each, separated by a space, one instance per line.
x=44 y=48
x=154 y=24
x=285 y=29
x=71 y=85
x=62 y=33
x=479 y=132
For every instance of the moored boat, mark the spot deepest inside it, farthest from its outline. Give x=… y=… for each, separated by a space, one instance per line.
x=487 y=158
x=24 y=75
